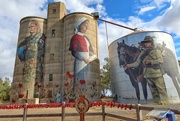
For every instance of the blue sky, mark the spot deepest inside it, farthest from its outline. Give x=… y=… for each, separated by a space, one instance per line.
x=150 y=15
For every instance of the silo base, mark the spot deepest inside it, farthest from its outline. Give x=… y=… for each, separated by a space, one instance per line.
x=29 y=101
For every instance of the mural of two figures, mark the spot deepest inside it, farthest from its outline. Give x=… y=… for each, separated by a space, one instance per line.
x=128 y=54
x=31 y=52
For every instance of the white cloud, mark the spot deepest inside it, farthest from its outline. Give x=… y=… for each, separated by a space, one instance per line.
x=11 y=12
x=146 y=9
x=91 y=2
x=161 y=3
x=17 y=9
x=170 y=19
x=168 y=22
x=82 y=5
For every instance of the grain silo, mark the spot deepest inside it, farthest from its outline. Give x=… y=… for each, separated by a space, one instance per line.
x=55 y=56
x=26 y=73
x=126 y=87
x=80 y=43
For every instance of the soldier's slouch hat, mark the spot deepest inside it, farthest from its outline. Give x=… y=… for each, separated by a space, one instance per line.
x=147 y=39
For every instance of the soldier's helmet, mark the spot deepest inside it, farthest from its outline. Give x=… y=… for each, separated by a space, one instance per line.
x=147 y=39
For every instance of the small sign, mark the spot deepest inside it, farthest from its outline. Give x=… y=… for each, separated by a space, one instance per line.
x=158 y=113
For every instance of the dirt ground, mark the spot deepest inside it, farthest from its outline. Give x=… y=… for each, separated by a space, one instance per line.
x=98 y=109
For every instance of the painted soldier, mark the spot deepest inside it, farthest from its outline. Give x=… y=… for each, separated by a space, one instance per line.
x=152 y=60
x=31 y=52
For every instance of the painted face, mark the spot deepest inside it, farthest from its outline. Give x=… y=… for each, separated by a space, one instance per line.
x=84 y=26
x=33 y=28
x=147 y=44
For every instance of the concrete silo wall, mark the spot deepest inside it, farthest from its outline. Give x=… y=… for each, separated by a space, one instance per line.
x=29 y=57
x=81 y=78
x=56 y=66
x=126 y=87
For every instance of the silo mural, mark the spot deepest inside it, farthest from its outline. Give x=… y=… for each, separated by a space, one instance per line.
x=57 y=58
x=145 y=75
x=30 y=52
x=82 y=73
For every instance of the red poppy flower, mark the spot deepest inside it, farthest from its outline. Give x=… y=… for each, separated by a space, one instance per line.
x=82 y=81
x=69 y=75
x=36 y=84
x=13 y=100
x=39 y=85
x=21 y=95
x=71 y=100
x=20 y=85
x=66 y=84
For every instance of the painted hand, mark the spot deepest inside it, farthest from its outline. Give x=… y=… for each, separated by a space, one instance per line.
x=147 y=62
x=86 y=60
x=127 y=66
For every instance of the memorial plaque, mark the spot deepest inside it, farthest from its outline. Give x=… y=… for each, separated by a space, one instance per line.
x=158 y=113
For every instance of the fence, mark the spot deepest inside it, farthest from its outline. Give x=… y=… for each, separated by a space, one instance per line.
x=137 y=108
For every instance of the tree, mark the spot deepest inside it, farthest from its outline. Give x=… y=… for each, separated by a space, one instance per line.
x=105 y=77
x=5 y=89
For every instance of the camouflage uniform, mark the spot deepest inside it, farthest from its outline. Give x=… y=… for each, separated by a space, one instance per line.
x=32 y=57
x=152 y=72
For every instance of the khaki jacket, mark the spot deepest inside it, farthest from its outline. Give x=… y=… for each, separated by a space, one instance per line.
x=152 y=70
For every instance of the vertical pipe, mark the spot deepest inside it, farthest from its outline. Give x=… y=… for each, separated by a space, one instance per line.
x=107 y=35
x=63 y=60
